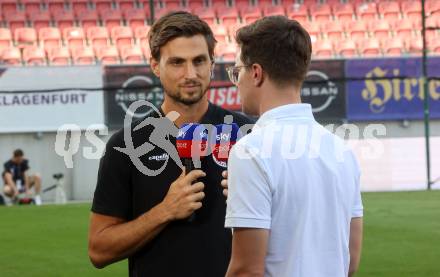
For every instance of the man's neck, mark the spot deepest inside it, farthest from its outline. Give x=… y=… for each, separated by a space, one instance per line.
x=188 y=113
x=273 y=97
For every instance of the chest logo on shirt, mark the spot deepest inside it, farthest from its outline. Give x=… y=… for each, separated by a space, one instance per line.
x=159 y=158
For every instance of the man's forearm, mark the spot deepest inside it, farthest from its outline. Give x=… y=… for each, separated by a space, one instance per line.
x=119 y=241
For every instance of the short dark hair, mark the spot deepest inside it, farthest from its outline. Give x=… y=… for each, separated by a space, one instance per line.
x=179 y=24
x=18 y=153
x=280 y=45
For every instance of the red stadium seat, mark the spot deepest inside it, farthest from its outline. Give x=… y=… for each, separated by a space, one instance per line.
x=15 y=20
x=108 y=54
x=233 y=30
x=380 y=29
x=83 y=55
x=135 y=18
x=88 y=19
x=172 y=4
x=389 y=9
x=131 y=54
x=98 y=37
x=79 y=6
x=367 y=11
x=346 y=48
x=357 y=29
x=74 y=37
x=124 y=5
x=321 y=12
x=432 y=6
x=343 y=11
x=11 y=56
x=313 y=29
x=434 y=46
x=141 y=35
x=64 y=19
x=55 y=6
x=102 y=5
x=49 y=37
x=394 y=47
x=298 y=12
x=111 y=18
x=412 y=9
x=25 y=37
x=33 y=55
x=146 y=51
x=274 y=10
x=228 y=16
x=122 y=36
x=5 y=38
x=334 y=30
x=9 y=6
x=220 y=33
x=195 y=4
x=40 y=19
x=323 y=49
x=59 y=56
x=250 y=14
x=415 y=46
x=371 y=47
x=207 y=15
x=226 y=52
x=404 y=29
x=31 y=6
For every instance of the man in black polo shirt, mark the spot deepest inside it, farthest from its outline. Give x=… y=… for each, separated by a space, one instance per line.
x=144 y=217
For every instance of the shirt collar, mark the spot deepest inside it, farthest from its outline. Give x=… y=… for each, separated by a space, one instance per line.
x=303 y=111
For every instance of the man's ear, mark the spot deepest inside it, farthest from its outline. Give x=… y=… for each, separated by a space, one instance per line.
x=257 y=74
x=155 y=67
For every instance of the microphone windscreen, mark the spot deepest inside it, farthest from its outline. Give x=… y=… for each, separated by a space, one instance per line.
x=224 y=137
x=191 y=140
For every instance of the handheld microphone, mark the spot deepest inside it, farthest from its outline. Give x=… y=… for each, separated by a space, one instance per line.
x=222 y=140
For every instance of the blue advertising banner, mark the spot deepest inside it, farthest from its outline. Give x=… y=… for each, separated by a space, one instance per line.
x=390 y=89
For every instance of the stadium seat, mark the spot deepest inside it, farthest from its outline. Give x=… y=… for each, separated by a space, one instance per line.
x=320 y=12
x=80 y=6
x=25 y=37
x=207 y=15
x=98 y=37
x=31 y=6
x=274 y=10
x=11 y=56
x=367 y=11
x=220 y=33
x=404 y=28
x=124 y=5
x=357 y=29
x=88 y=19
x=141 y=35
x=433 y=6
x=233 y=30
x=323 y=49
x=5 y=38
x=15 y=20
x=313 y=29
x=226 y=52
x=111 y=18
x=172 y=4
x=415 y=46
x=74 y=37
x=49 y=37
x=83 y=55
x=250 y=14
x=55 y=6
x=135 y=18
x=122 y=36
x=393 y=47
x=334 y=30
x=412 y=9
x=346 y=48
x=228 y=16
x=371 y=47
x=434 y=46
x=108 y=54
x=39 y=19
x=131 y=54
x=146 y=51
x=102 y=5
x=298 y=12
x=195 y=4
x=389 y=9
x=9 y=6
x=64 y=19
x=59 y=56
x=380 y=29
x=34 y=55
x=343 y=11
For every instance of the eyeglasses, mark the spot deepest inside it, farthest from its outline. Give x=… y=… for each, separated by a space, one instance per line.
x=233 y=72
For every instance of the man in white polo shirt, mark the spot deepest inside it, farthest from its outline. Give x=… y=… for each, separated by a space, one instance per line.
x=294 y=200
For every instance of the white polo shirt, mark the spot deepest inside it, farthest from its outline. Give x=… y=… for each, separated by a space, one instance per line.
x=292 y=176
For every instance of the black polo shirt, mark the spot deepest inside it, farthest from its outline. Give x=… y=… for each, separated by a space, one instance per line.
x=200 y=248
x=17 y=170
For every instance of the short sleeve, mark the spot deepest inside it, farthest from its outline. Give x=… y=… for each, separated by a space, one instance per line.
x=25 y=165
x=249 y=198
x=113 y=191
x=7 y=167
x=357 y=209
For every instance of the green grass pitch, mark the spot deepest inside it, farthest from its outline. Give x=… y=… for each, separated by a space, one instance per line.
x=401 y=238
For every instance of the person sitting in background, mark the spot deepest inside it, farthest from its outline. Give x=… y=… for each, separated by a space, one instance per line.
x=17 y=181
